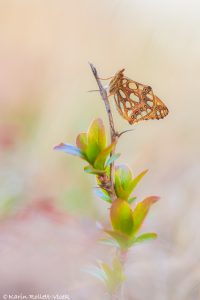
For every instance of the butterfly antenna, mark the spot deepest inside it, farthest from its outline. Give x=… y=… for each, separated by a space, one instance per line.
x=125 y=132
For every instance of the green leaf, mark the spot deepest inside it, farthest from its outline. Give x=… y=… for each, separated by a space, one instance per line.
x=123 y=178
x=96 y=138
x=131 y=200
x=102 y=157
x=122 y=217
x=124 y=242
x=136 y=180
x=70 y=149
x=96 y=272
x=124 y=174
x=142 y=210
x=97 y=134
x=103 y=195
x=144 y=237
x=114 y=275
x=110 y=241
x=89 y=145
x=112 y=159
x=121 y=239
x=124 y=182
x=90 y=170
x=81 y=142
x=107 y=270
x=118 y=270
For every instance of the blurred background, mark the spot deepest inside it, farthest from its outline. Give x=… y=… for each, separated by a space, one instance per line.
x=48 y=210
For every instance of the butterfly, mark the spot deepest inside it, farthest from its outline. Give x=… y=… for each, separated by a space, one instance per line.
x=135 y=101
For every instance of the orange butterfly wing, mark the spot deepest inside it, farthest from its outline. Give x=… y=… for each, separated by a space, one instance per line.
x=135 y=101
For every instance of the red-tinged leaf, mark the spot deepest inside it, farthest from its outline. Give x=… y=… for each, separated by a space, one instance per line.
x=96 y=138
x=142 y=210
x=70 y=149
x=122 y=217
x=96 y=133
x=102 y=157
x=81 y=142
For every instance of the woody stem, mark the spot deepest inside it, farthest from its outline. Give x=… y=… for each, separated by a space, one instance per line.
x=113 y=133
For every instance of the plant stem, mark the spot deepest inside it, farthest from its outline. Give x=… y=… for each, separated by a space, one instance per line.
x=114 y=137
x=113 y=133
x=119 y=293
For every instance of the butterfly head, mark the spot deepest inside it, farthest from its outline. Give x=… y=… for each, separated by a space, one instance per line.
x=114 y=83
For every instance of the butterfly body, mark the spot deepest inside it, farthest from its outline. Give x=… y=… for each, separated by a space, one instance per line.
x=135 y=101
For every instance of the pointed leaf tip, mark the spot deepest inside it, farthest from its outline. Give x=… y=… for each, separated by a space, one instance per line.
x=70 y=149
x=144 y=237
x=141 y=211
x=112 y=159
x=96 y=133
x=81 y=141
x=96 y=139
x=136 y=180
x=103 y=195
x=124 y=181
x=102 y=157
x=90 y=170
x=57 y=147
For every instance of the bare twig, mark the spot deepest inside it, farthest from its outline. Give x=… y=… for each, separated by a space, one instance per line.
x=113 y=133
